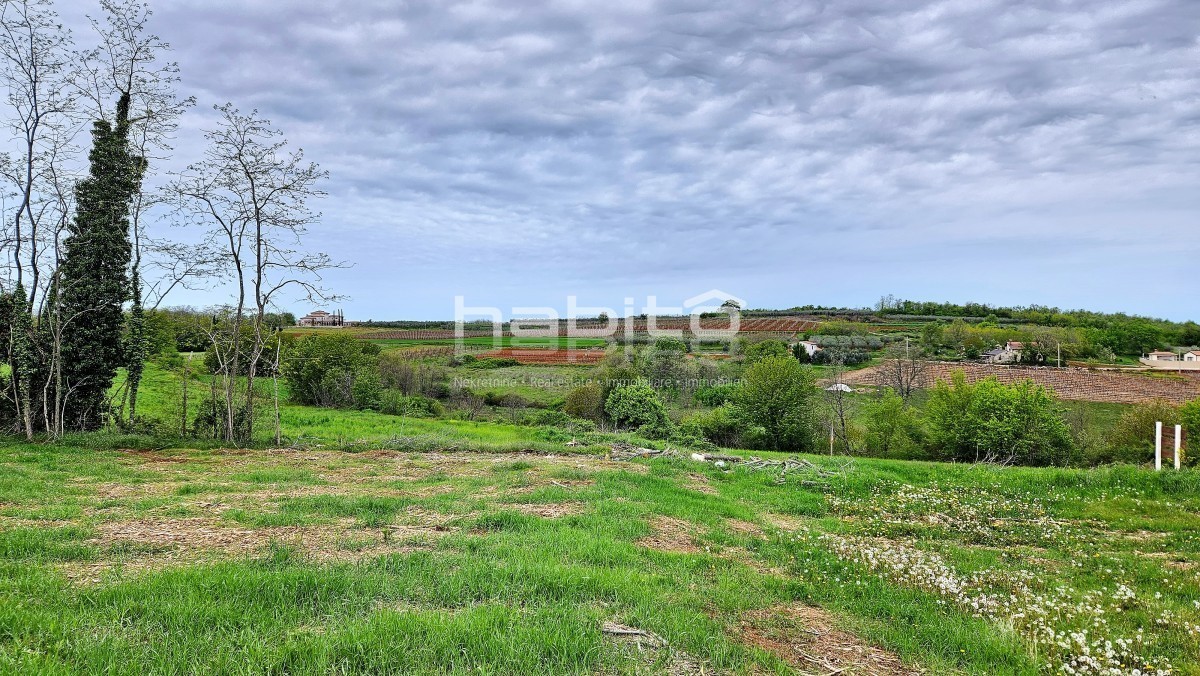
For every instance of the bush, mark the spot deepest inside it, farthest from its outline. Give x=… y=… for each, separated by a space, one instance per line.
x=893 y=428
x=990 y=421
x=507 y=400
x=211 y=419
x=1132 y=438
x=831 y=355
x=322 y=369
x=393 y=402
x=585 y=401
x=719 y=426
x=768 y=348
x=491 y=363
x=778 y=396
x=1189 y=417
x=560 y=420
x=638 y=406
x=412 y=377
x=715 y=395
x=668 y=344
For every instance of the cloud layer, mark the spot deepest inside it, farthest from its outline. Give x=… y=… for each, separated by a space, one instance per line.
x=824 y=152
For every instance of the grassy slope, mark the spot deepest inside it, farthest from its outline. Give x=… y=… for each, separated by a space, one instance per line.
x=497 y=588
x=902 y=553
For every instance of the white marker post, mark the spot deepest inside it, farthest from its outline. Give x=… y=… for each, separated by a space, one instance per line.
x=1158 y=446
x=1178 y=443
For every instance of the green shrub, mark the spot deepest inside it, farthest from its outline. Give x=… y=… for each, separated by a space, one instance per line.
x=1132 y=438
x=638 y=406
x=847 y=357
x=668 y=344
x=778 y=396
x=719 y=426
x=715 y=395
x=756 y=352
x=991 y=421
x=560 y=419
x=1189 y=417
x=322 y=369
x=393 y=402
x=491 y=363
x=399 y=371
x=893 y=428
x=585 y=401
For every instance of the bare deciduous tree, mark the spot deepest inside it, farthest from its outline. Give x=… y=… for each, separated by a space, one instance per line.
x=905 y=370
x=36 y=69
x=838 y=412
x=253 y=193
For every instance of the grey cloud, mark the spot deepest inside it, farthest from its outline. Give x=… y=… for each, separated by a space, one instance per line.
x=669 y=138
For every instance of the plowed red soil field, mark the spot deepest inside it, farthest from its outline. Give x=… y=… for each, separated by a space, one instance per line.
x=1068 y=383
x=535 y=356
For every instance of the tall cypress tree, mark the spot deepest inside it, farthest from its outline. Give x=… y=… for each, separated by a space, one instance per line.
x=95 y=272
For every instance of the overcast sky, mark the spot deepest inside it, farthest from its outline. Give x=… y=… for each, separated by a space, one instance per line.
x=1044 y=151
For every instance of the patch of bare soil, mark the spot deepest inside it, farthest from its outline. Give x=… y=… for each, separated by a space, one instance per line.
x=668 y=534
x=551 y=510
x=805 y=637
x=699 y=483
x=150 y=456
x=785 y=522
x=652 y=651
x=744 y=527
x=152 y=544
x=1172 y=560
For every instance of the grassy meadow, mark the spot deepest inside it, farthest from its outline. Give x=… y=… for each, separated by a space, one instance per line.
x=319 y=561
x=378 y=543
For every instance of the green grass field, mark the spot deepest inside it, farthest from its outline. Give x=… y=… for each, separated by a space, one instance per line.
x=313 y=561
x=487 y=343
x=387 y=544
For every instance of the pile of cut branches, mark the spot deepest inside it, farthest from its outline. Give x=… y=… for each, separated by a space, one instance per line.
x=624 y=451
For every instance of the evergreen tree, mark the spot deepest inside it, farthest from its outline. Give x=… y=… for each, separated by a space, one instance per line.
x=94 y=272
x=137 y=343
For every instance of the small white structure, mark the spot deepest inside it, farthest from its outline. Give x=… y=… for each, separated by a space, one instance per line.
x=1008 y=354
x=839 y=387
x=810 y=347
x=1169 y=361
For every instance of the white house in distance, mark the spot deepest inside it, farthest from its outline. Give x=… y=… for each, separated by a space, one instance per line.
x=1160 y=359
x=810 y=347
x=1010 y=353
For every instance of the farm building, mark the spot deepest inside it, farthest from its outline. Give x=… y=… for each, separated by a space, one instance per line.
x=809 y=346
x=1161 y=359
x=1008 y=354
x=322 y=318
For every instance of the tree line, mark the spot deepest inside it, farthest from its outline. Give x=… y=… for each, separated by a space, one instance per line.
x=89 y=253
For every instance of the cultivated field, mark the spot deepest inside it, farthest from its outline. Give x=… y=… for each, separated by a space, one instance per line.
x=1068 y=383
x=548 y=356
x=312 y=561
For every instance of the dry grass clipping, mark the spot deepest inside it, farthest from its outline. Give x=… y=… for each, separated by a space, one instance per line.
x=805 y=637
